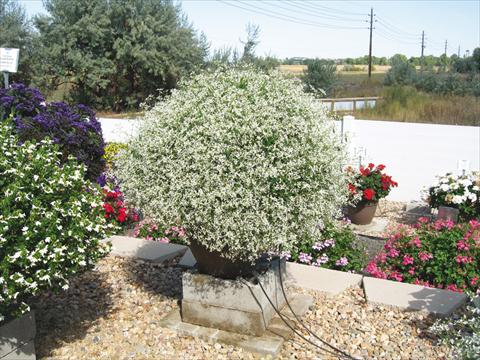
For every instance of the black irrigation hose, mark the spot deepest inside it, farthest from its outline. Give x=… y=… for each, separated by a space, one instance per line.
x=335 y=352
x=346 y=355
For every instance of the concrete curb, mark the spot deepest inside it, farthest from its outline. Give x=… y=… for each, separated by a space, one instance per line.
x=17 y=338
x=148 y=250
x=412 y=297
x=329 y=281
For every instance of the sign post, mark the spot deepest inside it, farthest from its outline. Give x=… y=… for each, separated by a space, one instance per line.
x=8 y=62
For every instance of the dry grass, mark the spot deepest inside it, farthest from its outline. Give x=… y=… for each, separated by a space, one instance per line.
x=299 y=69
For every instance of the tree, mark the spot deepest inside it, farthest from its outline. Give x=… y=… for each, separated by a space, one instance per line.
x=320 y=76
x=115 y=53
x=16 y=32
x=249 y=45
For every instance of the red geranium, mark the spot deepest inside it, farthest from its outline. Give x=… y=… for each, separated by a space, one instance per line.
x=115 y=209
x=371 y=183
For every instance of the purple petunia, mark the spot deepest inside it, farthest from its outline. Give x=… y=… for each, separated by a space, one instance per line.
x=343 y=261
x=305 y=258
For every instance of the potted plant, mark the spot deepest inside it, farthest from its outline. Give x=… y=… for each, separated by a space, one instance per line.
x=366 y=187
x=460 y=192
x=245 y=161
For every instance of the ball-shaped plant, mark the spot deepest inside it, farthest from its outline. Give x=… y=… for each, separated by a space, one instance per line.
x=245 y=161
x=51 y=220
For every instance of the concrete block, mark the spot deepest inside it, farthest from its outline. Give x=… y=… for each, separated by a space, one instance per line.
x=267 y=344
x=417 y=208
x=145 y=249
x=232 y=305
x=187 y=260
x=325 y=280
x=412 y=297
x=16 y=338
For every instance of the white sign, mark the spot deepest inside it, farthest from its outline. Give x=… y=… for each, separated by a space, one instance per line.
x=9 y=59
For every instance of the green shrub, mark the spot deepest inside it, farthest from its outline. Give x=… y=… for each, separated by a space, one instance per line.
x=401 y=73
x=335 y=248
x=51 y=221
x=245 y=161
x=320 y=77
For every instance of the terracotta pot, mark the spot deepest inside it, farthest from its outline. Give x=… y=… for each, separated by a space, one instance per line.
x=214 y=264
x=363 y=212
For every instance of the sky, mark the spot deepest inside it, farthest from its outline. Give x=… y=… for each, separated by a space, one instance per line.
x=333 y=29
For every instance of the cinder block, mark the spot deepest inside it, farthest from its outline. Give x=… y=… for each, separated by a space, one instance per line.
x=412 y=297
x=145 y=249
x=187 y=260
x=16 y=338
x=325 y=280
x=232 y=305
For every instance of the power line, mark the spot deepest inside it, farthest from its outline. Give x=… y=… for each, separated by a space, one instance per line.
x=280 y=16
x=316 y=13
x=332 y=10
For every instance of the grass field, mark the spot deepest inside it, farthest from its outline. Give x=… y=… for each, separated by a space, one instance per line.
x=299 y=69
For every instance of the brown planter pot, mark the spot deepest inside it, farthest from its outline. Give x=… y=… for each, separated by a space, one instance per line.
x=214 y=264
x=363 y=212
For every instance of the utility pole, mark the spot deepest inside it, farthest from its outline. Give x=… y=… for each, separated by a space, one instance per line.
x=458 y=54
x=446 y=43
x=370 y=47
x=423 y=47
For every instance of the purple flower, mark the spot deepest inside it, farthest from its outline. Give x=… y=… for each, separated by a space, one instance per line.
x=329 y=243
x=318 y=246
x=321 y=260
x=343 y=261
x=305 y=258
x=285 y=255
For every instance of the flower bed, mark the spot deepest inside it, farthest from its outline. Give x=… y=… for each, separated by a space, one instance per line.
x=440 y=254
x=336 y=248
x=150 y=230
x=460 y=192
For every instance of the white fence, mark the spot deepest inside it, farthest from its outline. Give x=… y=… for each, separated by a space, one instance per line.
x=413 y=153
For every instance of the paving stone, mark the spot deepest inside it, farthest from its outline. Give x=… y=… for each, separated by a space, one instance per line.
x=412 y=297
x=266 y=344
x=17 y=333
x=24 y=352
x=329 y=281
x=153 y=251
x=187 y=260
x=378 y=225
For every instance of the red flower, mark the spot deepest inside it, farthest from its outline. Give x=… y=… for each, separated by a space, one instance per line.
x=122 y=215
x=352 y=189
x=364 y=171
x=108 y=208
x=380 y=167
x=368 y=193
x=112 y=195
x=371 y=166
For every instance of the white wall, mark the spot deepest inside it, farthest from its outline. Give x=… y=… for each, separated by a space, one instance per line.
x=413 y=153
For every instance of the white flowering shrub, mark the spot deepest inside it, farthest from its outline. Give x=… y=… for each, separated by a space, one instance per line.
x=245 y=161
x=461 y=332
x=51 y=221
x=457 y=191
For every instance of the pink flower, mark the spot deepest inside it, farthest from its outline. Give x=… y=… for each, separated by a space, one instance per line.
x=474 y=223
x=453 y=287
x=373 y=270
x=181 y=232
x=407 y=260
x=305 y=258
x=411 y=271
x=463 y=259
x=461 y=245
x=474 y=280
x=395 y=275
x=393 y=253
x=149 y=237
x=416 y=242
x=423 y=220
x=424 y=256
x=164 y=240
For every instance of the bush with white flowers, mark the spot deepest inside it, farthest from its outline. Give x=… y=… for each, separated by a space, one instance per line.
x=457 y=191
x=51 y=221
x=245 y=161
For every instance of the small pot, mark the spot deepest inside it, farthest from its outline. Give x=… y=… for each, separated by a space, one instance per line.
x=214 y=264
x=363 y=212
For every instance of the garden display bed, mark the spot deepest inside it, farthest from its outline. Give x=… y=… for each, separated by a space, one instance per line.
x=115 y=310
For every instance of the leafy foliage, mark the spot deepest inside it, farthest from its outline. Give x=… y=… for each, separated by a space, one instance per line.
x=115 y=53
x=51 y=220
x=336 y=248
x=74 y=128
x=460 y=192
x=245 y=161
x=440 y=254
x=320 y=77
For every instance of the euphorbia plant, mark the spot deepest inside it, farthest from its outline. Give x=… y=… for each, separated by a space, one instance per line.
x=369 y=184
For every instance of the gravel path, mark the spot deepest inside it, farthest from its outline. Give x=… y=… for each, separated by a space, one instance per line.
x=112 y=312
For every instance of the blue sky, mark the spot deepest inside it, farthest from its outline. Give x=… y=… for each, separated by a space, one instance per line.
x=312 y=28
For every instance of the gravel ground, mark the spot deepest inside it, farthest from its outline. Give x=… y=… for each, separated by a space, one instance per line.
x=112 y=312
